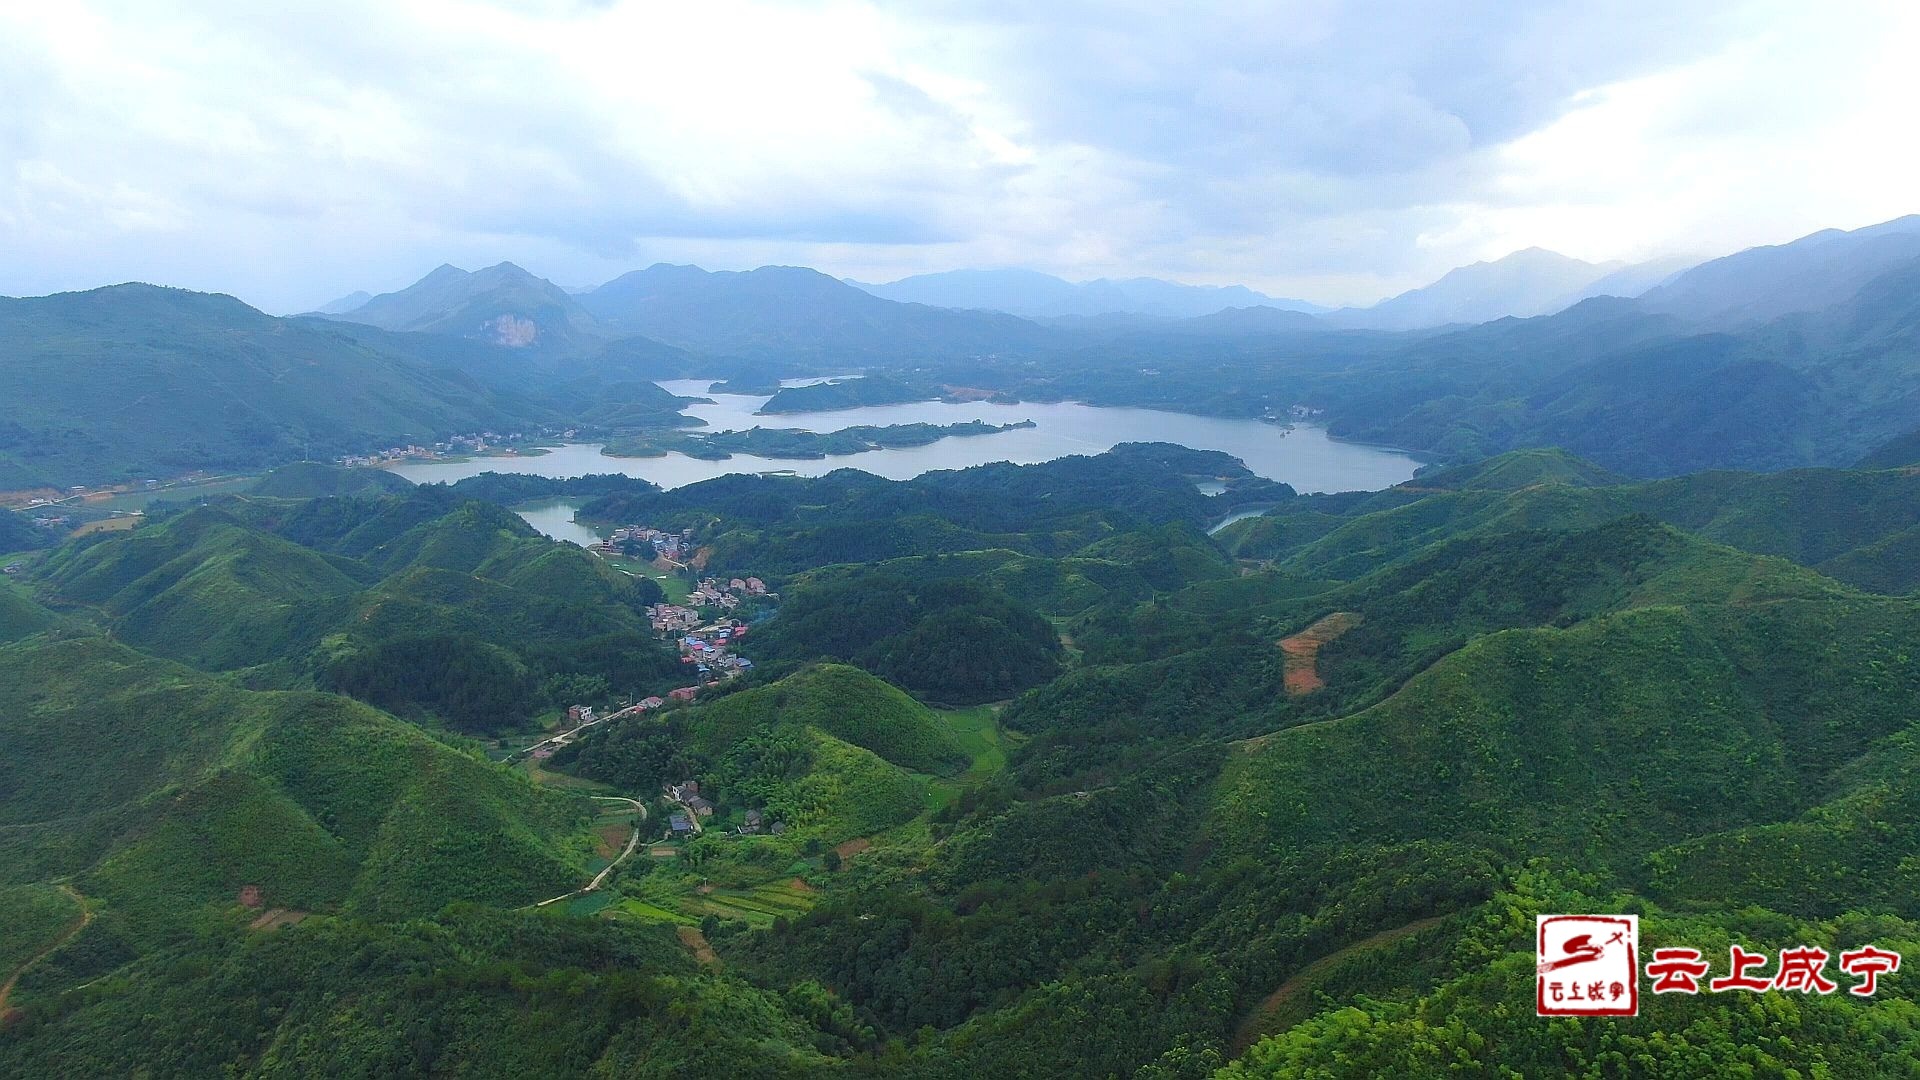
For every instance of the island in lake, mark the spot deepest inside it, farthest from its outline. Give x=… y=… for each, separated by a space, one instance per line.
x=795 y=443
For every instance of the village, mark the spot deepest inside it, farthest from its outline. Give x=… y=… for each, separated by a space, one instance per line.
x=478 y=442
x=705 y=626
x=706 y=631
x=693 y=811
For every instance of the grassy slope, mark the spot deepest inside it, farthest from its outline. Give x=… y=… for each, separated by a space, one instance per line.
x=846 y=703
x=166 y=792
x=206 y=590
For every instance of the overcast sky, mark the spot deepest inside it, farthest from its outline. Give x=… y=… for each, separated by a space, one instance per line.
x=1335 y=151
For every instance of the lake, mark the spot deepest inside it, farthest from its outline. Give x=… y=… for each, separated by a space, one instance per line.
x=555 y=518
x=1303 y=455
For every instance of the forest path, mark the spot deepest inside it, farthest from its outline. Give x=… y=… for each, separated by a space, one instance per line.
x=79 y=924
x=1253 y=1028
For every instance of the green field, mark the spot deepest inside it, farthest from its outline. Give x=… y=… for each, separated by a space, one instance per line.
x=977 y=731
x=677 y=586
x=757 y=906
x=190 y=489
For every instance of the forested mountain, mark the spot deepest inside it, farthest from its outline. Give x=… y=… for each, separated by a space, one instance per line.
x=428 y=606
x=1772 y=358
x=137 y=381
x=1269 y=802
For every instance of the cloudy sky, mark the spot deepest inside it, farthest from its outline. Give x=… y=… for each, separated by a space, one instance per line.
x=1335 y=150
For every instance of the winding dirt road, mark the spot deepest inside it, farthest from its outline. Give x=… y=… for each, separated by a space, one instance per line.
x=79 y=924
x=633 y=842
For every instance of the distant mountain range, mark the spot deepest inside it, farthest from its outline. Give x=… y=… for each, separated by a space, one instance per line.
x=786 y=310
x=1773 y=357
x=1810 y=274
x=1526 y=283
x=798 y=312
x=793 y=311
x=1034 y=295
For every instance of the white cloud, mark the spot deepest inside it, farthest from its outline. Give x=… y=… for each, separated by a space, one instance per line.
x=1338 y=150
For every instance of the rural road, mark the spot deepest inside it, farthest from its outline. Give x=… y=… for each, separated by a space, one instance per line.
x=633 y=842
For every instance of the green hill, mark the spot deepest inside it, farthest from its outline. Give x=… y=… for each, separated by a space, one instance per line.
x=843 y=702
x=1516 y=470
x=828 y=750
x=951 y=641
x=20 y=616
x=470 y=991
x=164 y=792
x=204 y=589
x=1816 y=517
x=135 y=381
x=484 y=624
x=312 y=479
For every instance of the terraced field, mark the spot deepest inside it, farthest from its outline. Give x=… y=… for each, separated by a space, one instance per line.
x=758 y=906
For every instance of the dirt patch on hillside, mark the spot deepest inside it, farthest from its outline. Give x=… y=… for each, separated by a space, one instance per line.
x=1303 y=651
x=800 y=885
x=275 y=918
x=693 y=939
x=610 y=839
x=852 y=847
x=118 y=524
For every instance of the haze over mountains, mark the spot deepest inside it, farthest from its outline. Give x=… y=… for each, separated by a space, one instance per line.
x=1775 y=357
x=1525 y=283
x=1034 y=295
x=677 y=304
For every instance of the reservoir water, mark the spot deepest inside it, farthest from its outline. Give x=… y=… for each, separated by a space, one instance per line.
x=1303 y=455
x=555 y=518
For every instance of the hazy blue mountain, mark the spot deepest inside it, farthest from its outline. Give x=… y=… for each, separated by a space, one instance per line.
x=1252 y=320
x=1650 y=393
x=1809 y=274
x=501 y=304
x=1031 y=294
x=794 y=311
x=1530 y=282
x=1628 y=282
x=344 y=304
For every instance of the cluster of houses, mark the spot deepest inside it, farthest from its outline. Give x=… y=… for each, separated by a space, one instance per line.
x=708 y=595
x=478 y=442
x=12 y=568
x=696 y=807
x=52 y=521
x=632 y=540
x=710 y=653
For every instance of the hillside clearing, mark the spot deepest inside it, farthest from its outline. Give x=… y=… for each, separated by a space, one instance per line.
x=1303 y=650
